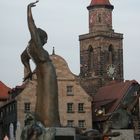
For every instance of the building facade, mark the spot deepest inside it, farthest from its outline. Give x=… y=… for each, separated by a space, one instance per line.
x=74 y=102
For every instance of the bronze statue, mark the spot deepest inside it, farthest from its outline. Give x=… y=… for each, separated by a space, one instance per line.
x=47 y=89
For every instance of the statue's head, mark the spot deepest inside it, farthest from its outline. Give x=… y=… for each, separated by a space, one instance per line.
x=43 y=35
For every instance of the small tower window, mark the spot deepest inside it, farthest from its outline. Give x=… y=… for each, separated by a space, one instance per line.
x=91 y=57
x=99 y=18
x=110 y=49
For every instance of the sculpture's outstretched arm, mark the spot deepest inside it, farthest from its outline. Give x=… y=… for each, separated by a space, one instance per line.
x=31 y=25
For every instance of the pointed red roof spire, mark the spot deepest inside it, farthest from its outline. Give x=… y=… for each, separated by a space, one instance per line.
x=100 y=2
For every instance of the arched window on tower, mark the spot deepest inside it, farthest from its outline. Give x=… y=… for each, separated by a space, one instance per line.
x=91 y=57
x=110 y=50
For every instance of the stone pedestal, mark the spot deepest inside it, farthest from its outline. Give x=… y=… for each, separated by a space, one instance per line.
x=65 y=133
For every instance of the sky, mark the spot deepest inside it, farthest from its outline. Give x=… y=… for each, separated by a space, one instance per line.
x=63 y=21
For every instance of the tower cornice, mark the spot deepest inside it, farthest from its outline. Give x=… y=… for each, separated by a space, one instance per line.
x=100 y=6
x=101 y=34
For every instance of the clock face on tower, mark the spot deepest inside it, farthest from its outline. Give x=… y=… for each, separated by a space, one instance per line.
x=111 y=70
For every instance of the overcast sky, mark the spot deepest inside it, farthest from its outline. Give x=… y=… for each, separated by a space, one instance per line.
x=64 y=21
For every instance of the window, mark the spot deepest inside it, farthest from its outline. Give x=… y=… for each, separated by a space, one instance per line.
x=81 y=107
x=69 y=90
x=81 y=123
x=110 y=49
x=70 y=123
x=70 y=107
x=26 y=107
x=91 y=57
x=99 y=18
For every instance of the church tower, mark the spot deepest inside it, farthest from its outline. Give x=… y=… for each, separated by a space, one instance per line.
x=101 y=50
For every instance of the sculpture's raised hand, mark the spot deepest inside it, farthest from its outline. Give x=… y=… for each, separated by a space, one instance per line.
x=33 y=4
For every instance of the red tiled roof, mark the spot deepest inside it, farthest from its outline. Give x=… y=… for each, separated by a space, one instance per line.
x=100 y=2
x=4 y=91
x=112 y=93
x=19 y=87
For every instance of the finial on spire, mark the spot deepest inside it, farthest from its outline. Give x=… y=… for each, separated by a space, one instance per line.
x=53 y=52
